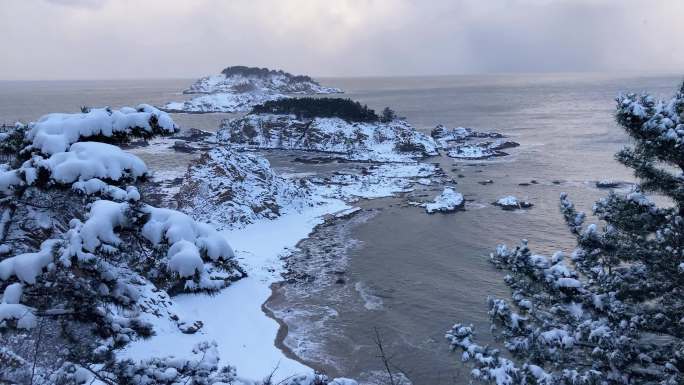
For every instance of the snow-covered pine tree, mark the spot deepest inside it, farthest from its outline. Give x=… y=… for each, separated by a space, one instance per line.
x=613 y=312
x=83 y=260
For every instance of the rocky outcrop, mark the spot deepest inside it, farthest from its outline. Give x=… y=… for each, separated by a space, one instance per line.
x=395 y=141
x=447 y=201
x=467 y=143
x=232 y=188
x=512 y=203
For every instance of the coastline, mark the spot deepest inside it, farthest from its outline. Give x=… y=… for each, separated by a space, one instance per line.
x=282 y=333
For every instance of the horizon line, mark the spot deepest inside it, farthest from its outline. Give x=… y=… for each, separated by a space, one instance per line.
x=377 y=76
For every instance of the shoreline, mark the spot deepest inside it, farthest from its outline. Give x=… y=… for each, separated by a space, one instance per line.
x=283 y=330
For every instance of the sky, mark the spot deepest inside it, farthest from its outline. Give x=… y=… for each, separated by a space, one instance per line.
x=114 y=39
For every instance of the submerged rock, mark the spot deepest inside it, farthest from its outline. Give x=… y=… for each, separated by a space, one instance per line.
x=395 y=141
x=448 y=201
x=512 y=203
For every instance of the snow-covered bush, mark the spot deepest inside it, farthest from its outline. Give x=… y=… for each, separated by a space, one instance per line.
x=54 y=133
x=612 y=313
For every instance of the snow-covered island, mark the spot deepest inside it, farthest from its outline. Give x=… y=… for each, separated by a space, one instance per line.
x=447 y=201
x=339 y=127
x=466 y=143
x=238 y=88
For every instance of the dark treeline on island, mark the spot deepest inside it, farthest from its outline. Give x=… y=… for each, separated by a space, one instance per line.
x=308 y=108
x=264 y=72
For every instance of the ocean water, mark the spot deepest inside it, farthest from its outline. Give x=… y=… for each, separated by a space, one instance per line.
x=408 y=274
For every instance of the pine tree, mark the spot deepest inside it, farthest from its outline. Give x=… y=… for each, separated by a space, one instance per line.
x=613 y=311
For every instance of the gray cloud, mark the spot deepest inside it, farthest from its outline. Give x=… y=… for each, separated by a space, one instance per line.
x=179 y=38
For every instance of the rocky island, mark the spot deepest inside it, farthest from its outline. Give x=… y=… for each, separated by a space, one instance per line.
x=340 y=127
x=469 y=144
x=238 y=88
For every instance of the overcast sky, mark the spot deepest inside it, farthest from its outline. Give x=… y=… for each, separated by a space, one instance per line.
x=105 y=39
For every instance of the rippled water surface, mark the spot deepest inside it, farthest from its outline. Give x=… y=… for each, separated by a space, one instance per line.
x=406 y=273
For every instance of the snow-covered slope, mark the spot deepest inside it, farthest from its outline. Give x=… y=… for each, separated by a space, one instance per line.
x=233 y=188
x=223 y=102
x=395 y=141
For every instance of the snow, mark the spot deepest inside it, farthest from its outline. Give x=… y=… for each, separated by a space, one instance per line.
x=103 y=218
x=274 y=82
x=240 y=92
x=53 y=133
x=175 y=226
x=239 y=326
x=24 y=315
x=449 y=200
x=184 y=258
x=189 y=241
x=231 y=188
x=87 y=160
x=27 y=266
x=395 y=141
x=13 y=293
x=97 y=186
x=376 y=181
x=223 y=102
x=568 y=283
x=480 y=150
x=9 y=179
x=510 y=202
x=558 y=337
